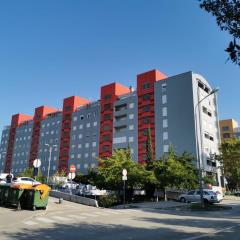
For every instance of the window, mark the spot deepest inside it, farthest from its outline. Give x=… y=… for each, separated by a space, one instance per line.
x=165 y=148
x=225 y=128
x=107 y=106
x=130 y=139
x=120 y=128
x=107 y=97
x=226 y=135
x=106 y=148
x=85 y=165
x=146 y=120
x=165 y=123
x=86 y=145
x=191 y=193
x=80 y=136
x=72 y=156
x=146 y=97
x=80 y=126
x=119 y=140
x=88 y=125
x=146 y=108
x=75 y=119
x=86 y=155
x=79 y=145
x=164 y=99
x=94 y=144
x=107 y=116
x=78 y=166
x=81 y=117
x=146 y=86
x=131 y=127
x=120 y=118
x=165 y=135
x=121 y=107
x=106 y=137
x=106 y=127
x=95 y=124
x=74 y=128
x=131 y=105
x=79 y=155
x=164 y=111
x=164 y=87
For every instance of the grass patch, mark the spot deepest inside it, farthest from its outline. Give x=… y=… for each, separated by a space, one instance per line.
x=208 y=207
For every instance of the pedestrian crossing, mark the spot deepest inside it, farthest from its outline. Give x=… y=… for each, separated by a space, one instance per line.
x=54 y=219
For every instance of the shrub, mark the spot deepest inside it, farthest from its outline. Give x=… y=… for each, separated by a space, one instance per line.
x=108 y=200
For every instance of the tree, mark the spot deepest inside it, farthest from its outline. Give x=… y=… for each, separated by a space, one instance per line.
x=175 y=171
x=109 y=172
x=227 y=13
x=149 y=151
x=230 y=161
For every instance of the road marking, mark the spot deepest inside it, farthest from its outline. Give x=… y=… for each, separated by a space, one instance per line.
x=45 y=220
x=61 y=218
x=30 y=223
x=77 y=217
x=209 y=234
x=88 y=214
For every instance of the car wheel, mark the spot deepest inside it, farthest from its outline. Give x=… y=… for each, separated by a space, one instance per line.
x=182 y=199
x=205 y=201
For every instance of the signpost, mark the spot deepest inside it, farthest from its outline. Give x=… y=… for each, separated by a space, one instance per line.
x=124 y=178
x=72 y=174
x=36 y=165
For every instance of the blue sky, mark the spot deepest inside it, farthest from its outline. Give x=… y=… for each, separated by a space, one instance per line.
x=54 y=49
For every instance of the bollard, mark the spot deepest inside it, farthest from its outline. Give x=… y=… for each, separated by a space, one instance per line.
x=60 y=200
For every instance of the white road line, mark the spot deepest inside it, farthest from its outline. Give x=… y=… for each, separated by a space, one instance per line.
x=61 y=218
x=45 y=220
x=76 y=217
x=30 y=223
x=88 y=214
x=209 y=234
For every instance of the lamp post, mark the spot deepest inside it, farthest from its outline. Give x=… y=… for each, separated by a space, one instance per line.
x=199 y=155
x=49 y=158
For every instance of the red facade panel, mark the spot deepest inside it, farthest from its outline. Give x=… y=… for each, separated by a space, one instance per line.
x=17 y=119
x=146 y=114
x=70 y=105
x=39 y=115
x=109 y=94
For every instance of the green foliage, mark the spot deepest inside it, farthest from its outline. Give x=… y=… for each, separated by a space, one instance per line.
x=175 y=171
x=209 y=180
x=60 y=174
x=227 y=13
x=230 y=161
x=149 y=151
x=108 y=200
x=110 y=172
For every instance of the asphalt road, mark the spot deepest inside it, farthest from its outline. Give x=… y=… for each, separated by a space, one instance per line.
x=74 y=221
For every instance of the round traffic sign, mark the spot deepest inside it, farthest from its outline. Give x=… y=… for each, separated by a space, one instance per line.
x=124 y=172
x=71 y=175
x=37 y=163
x=72 y=168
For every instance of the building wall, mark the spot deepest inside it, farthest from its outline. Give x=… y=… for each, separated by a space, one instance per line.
x=228 y=128
x=81 y=132
x=3 y=147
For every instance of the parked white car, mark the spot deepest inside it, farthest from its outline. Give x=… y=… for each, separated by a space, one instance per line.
x=209 y=196
x=2 y=181
x=68 y=184
x=26 y=180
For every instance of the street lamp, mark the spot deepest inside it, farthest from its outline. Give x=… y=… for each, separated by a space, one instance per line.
x=49 y=158
x=199 y=155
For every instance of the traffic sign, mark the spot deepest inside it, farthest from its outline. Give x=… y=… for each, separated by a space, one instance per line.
x=37 y=163
x=124 y=172
x=72 y=168
x=71 y=175
x=124 y=178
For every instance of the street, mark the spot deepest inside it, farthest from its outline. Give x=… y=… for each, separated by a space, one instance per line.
x=70 y=220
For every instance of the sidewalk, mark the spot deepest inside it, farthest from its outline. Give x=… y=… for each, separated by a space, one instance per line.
x=154 y=205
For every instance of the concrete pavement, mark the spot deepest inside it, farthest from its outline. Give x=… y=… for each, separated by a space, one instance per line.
x=70 y=220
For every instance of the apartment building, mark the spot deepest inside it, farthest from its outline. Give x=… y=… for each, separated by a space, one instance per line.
x=84 y=130
x=229 y=129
